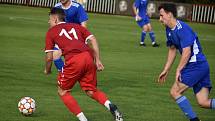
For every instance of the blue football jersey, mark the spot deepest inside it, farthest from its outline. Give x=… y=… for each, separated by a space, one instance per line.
x=183 y=36
x=75 y=13
x=142 y=6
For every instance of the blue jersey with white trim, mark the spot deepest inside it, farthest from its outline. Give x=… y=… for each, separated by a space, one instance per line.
x=75 y=13
x=142 y=6
x=183 y=36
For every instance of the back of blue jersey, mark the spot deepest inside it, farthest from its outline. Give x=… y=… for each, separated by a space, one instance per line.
x=142 y=6
x=75 y=13
x=183 y=36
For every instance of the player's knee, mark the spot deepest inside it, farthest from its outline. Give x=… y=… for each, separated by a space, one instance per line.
x=57 y=54
x=149 y=28
x=62 y=92
x=174 y=93
x=204 y=103
x=145 y=29
x=89 y=93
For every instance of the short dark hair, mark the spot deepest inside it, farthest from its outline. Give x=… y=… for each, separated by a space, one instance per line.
x=59 y=12
x=169 y=7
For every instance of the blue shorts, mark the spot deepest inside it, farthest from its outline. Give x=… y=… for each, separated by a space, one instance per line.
x=143 y=22
x=56 y=47
x=196 y=75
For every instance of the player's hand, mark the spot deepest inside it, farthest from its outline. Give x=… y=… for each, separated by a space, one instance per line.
x=178 y=75
x=162 y=77
x=138 y=18
x=99 y=65
x=47 y=72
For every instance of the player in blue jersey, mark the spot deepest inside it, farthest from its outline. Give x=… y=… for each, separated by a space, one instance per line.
x=192 y=70
x=75 y=13
x=142 y=19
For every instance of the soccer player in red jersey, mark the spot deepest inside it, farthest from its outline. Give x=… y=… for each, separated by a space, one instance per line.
x=81 y=63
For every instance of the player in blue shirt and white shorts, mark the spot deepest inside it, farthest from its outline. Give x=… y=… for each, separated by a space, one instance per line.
x=75 y=13
x=193 y=69
x=143 y=21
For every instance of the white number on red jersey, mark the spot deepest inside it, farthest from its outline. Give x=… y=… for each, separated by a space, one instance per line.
x=72 y=31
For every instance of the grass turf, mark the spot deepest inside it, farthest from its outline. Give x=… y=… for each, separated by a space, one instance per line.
x=128 y=79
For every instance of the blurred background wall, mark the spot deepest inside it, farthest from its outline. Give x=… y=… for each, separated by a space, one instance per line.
x=191 y=10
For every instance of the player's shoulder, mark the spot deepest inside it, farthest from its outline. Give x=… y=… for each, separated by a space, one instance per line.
x=75 y=4
x=56 y=28
x=182 y=25
x=59 y=4
x=179 y=25
x=69 y=25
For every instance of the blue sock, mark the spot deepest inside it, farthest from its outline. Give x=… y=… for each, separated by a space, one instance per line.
x=185 y=106
x=143 y=35
x=152 y=36
x=212 y=103
x=59 y=64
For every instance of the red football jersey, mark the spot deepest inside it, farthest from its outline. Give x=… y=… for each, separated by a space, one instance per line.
x=71 y=39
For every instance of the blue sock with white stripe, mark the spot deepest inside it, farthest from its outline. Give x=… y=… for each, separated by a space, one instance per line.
x=152 y=36
x=185 y=106
x=59 y=64
x=143 y=35
x=212 y=103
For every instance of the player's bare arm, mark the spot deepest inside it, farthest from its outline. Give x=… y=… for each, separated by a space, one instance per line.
x=170 y=59
x=48 y=65
x=95 y=48
x=136 y=12
x=134 y=9
x=84 y=24
x=183 y=61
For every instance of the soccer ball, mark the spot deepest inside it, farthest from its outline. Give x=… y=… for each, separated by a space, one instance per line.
x=27 y=106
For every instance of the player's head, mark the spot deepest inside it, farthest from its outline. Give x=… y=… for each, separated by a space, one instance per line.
x=56 y=15
x=167 y=12
x=64 y=1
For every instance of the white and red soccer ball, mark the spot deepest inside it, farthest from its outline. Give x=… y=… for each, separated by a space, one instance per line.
x=27 y=106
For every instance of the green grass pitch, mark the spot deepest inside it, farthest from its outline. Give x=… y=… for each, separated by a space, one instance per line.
x=128 y=79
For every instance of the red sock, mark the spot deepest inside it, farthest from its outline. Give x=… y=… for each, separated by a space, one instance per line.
x=71 y=103
x=100 y=97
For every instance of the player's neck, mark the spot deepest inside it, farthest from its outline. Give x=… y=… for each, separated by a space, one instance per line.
x=172 y=23
x=67 y=4
x=61 y=22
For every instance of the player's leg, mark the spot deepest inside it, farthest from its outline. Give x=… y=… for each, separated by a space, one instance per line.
x=88 y=83
x=66 y=80
x=176 y=92
x=152 y=35
x=57 y=59
x=203 y=87
x=143 y=33
x=101 y=98
x=203 y=100
x=71 y=104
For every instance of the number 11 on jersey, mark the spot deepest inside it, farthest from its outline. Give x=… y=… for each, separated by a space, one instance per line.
x=67 y=34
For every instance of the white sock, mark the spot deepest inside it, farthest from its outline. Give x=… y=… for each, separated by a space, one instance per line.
x=107 y=104
x=81 y=117
x=153 y=43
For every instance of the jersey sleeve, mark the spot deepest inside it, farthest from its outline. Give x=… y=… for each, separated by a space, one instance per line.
x=82 y=15
x=49 y=43
x=186 y=36
x=137 y=3
x=57 y=5
x=85 y=34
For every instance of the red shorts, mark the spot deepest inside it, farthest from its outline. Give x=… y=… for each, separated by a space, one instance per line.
x=79 y=68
